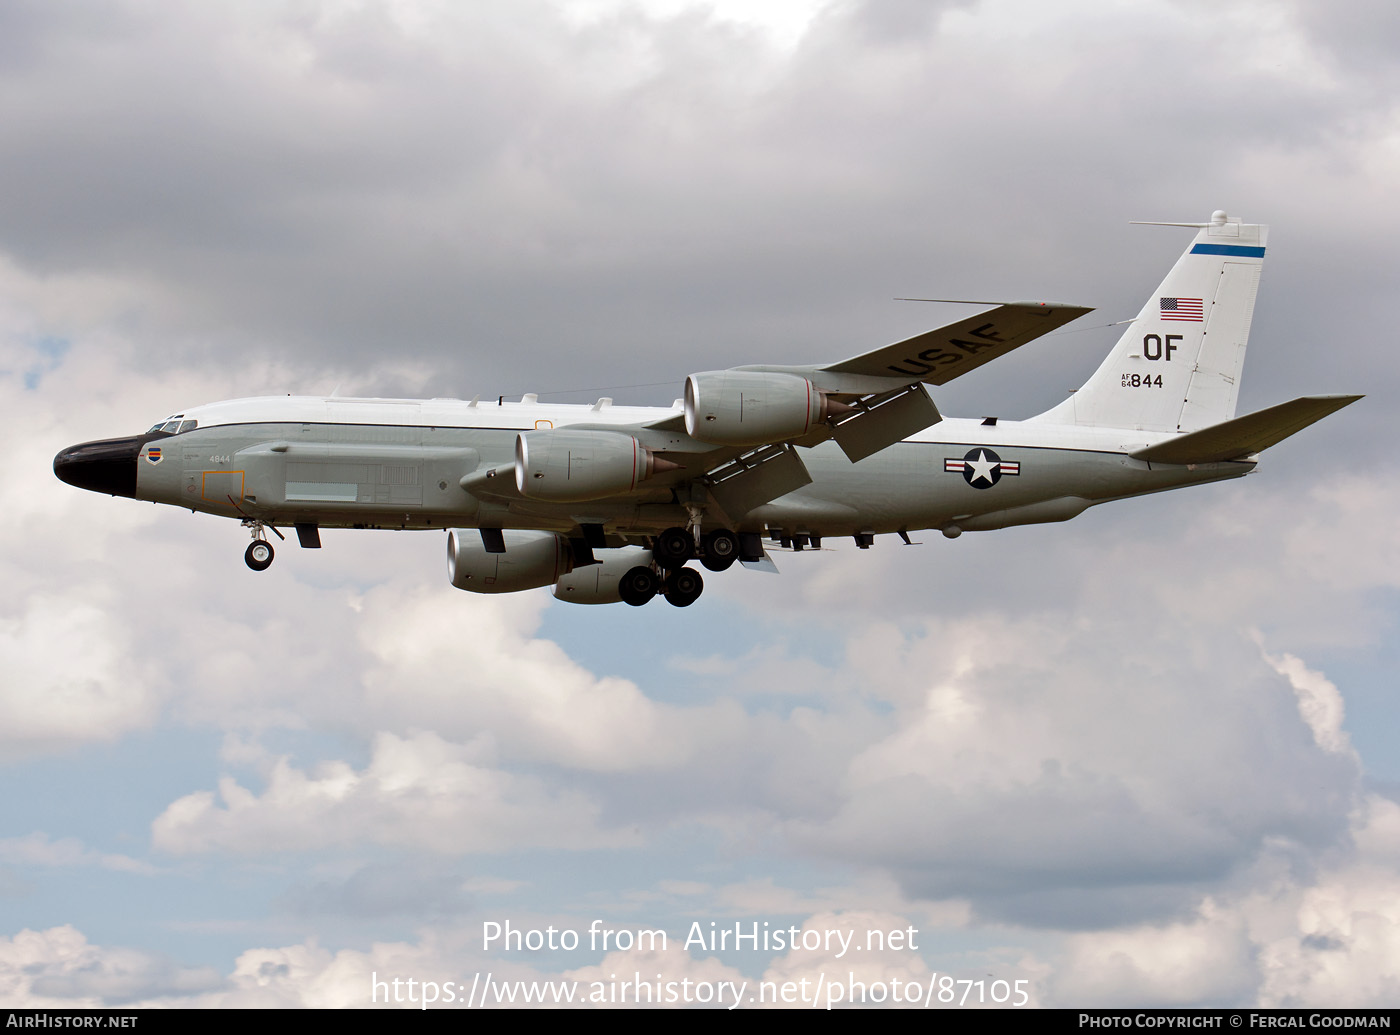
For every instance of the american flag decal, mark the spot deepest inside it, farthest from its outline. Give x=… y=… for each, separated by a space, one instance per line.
x=1189 y=309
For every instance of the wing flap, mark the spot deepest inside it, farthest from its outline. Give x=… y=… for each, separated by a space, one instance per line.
x=1245 y=435
x=893 y=419
x=758 y=478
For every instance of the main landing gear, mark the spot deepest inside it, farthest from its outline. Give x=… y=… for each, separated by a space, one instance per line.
x=681 y=587
x=670 y=550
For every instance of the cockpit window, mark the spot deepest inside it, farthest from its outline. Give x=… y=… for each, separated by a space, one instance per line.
x=173 y=425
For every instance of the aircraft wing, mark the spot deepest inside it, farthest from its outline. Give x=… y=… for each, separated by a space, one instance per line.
x=936 y=357
x=883 y=390
x=736 y=442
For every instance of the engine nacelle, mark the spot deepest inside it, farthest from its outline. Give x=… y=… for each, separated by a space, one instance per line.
x=531 y=560
x=751 y=407
x=597 y=583
x=569 y=466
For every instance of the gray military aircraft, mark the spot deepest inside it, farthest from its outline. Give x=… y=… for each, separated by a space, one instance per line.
x=608 y=503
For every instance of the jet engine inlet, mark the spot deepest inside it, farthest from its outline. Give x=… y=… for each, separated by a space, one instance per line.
x=531 y=560
x=568 y=466
x=749 y=408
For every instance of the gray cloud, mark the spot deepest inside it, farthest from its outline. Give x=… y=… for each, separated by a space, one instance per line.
x=523 y=203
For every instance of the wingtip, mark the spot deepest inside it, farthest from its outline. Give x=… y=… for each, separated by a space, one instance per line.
x=1033 y=303
x=1341 y=399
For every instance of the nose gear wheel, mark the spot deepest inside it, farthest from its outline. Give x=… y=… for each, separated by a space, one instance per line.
x=259 y=555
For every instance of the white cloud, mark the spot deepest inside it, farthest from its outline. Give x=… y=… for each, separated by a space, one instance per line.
x=421 y=792
x=1205 y=961
x=310 y=976
x=464 y=663
x=60 y=968
x=1331 y=939
x=38 y=849
x=69 y=676
x=1345 y=948
x=1319 y=704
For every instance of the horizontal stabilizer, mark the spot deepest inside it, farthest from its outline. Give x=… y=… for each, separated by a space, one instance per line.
x=1245 y=435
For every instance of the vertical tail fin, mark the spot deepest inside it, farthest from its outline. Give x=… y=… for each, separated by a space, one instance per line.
x=1177 y=367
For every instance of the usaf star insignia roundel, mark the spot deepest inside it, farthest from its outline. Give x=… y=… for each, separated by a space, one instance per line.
x=981 y=468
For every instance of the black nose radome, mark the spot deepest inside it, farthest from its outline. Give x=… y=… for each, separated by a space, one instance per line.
x=108 y=465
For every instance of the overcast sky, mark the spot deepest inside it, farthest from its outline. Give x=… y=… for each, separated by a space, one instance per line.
x=1145 y=757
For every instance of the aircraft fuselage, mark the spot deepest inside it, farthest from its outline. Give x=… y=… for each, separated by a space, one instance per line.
x=355 y=463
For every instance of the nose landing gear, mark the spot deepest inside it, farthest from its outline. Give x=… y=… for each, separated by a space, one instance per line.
x=259 y=554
